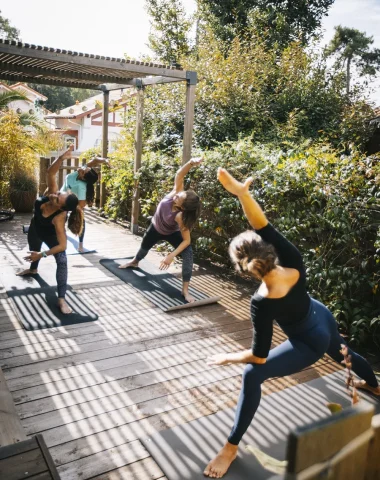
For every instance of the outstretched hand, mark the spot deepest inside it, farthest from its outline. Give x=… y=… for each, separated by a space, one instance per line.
x=219 y=359
x=231 y=184
x=196 y=161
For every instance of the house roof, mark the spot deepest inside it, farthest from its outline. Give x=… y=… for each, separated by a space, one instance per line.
x=22 y=86
x=87 y=107
x=24 y=62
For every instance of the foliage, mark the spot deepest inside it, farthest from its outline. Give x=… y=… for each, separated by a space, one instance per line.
x=255 y=91
x=23 y=182
x=351 y=46
x=62 y=97
x=6 y=29
x=10 y=96
x=19 y=148
x=170 y=28
x=280 y=21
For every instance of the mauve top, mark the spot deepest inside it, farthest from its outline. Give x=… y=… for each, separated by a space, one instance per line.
x=164 y=218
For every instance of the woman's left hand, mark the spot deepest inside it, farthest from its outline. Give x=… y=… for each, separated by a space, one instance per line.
x=165 y=263
x=219 y=359
x=33 y=257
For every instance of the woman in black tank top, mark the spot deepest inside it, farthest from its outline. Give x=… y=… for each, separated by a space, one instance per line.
x=48 y=226
x=310 y=327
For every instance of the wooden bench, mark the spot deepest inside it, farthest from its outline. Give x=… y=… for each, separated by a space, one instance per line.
x=21 y=457
x=345 y=446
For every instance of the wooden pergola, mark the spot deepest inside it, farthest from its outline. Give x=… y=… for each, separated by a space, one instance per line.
x=23 y=62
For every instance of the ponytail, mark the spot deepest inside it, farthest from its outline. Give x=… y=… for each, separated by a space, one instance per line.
x=191 y=209
x=76 y=220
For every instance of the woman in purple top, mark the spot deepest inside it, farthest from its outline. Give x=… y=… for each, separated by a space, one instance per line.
x=175 y=216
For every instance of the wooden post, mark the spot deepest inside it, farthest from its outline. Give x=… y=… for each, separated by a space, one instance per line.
x=42 y=185
x=138 y=154
x=189 y=116
x=106 y=96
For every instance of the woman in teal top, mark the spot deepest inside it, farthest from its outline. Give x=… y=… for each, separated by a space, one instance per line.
x=81 y=182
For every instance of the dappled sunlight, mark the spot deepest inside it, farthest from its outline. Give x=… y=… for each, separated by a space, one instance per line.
x=94 y=390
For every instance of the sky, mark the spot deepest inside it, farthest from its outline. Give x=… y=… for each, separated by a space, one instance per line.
x=122 y=26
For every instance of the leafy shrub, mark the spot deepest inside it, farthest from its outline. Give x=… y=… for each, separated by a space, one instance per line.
x=23 y=182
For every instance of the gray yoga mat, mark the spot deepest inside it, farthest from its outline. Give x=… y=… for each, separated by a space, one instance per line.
x=183 y=451
x=35 y=300
x=160 y=287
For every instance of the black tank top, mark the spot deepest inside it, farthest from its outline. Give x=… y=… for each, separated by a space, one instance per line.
x=44 y=225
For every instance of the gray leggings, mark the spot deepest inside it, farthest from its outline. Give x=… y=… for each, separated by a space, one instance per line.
x=150 y=239
x=35 y=243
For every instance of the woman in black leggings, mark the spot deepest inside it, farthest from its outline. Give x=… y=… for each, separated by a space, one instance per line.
x=48 y=226
x=311 y=328
x=175 y=216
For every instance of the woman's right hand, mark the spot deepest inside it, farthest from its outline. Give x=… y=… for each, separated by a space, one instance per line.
x=232 y=185
x=219 y=359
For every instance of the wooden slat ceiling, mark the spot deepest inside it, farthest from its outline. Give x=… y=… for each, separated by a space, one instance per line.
x=23 y=62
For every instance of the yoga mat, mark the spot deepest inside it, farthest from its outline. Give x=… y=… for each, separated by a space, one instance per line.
x=184 y=451
x=37 y=309
x=35 y=300
x=160 y=287
x=72 y=244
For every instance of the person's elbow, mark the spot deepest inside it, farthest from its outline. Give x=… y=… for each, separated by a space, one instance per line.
x=62 y=246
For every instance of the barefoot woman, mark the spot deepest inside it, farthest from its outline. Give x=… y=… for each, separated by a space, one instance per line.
x=175 y=216
x=48 y=226
x=81 y=183
x=311 y=328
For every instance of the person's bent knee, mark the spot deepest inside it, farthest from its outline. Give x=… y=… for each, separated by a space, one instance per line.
x=251 y=374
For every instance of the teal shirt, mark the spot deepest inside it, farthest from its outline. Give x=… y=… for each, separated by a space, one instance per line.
x=75 y=185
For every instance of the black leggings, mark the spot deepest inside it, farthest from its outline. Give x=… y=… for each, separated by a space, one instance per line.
x=81 y=236
x=307 y=343
x=35 y=242
x=150 y=239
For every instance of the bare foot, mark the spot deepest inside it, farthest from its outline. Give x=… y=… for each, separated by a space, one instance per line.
x=80 y=248
x=28 y=271
x=189 y=298
x=62 y=305
x=221 y=463
x=131 y=264
x=362 y=384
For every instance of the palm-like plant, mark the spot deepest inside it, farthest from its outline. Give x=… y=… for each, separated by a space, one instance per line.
x=12 y=96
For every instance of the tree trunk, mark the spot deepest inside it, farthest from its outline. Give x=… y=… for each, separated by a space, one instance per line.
x=348 y=75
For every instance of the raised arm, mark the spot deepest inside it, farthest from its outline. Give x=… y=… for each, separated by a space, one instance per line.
x=52 y=186
x=252 y=210
x=182 y=172
x=94 y=162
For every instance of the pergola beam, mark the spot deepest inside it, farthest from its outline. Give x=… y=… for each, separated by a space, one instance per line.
x=136 y=82
x=47 y=81
x=66 y=75
x=105 y=112
x=86 y=60
x=137 y=162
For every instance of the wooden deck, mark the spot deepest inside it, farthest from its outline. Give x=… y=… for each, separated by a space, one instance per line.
x=95 y=389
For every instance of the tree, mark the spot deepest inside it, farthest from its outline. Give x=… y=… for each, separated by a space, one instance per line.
x=62 y=97
x=168 y=38
x=353 y=47
x=280 y=21
x=6 y=30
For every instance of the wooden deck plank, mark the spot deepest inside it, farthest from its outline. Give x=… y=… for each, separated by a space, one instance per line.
x=95 y=389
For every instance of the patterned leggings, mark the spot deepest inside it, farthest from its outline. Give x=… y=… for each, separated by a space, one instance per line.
x=150 y=239
x=35 y=243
